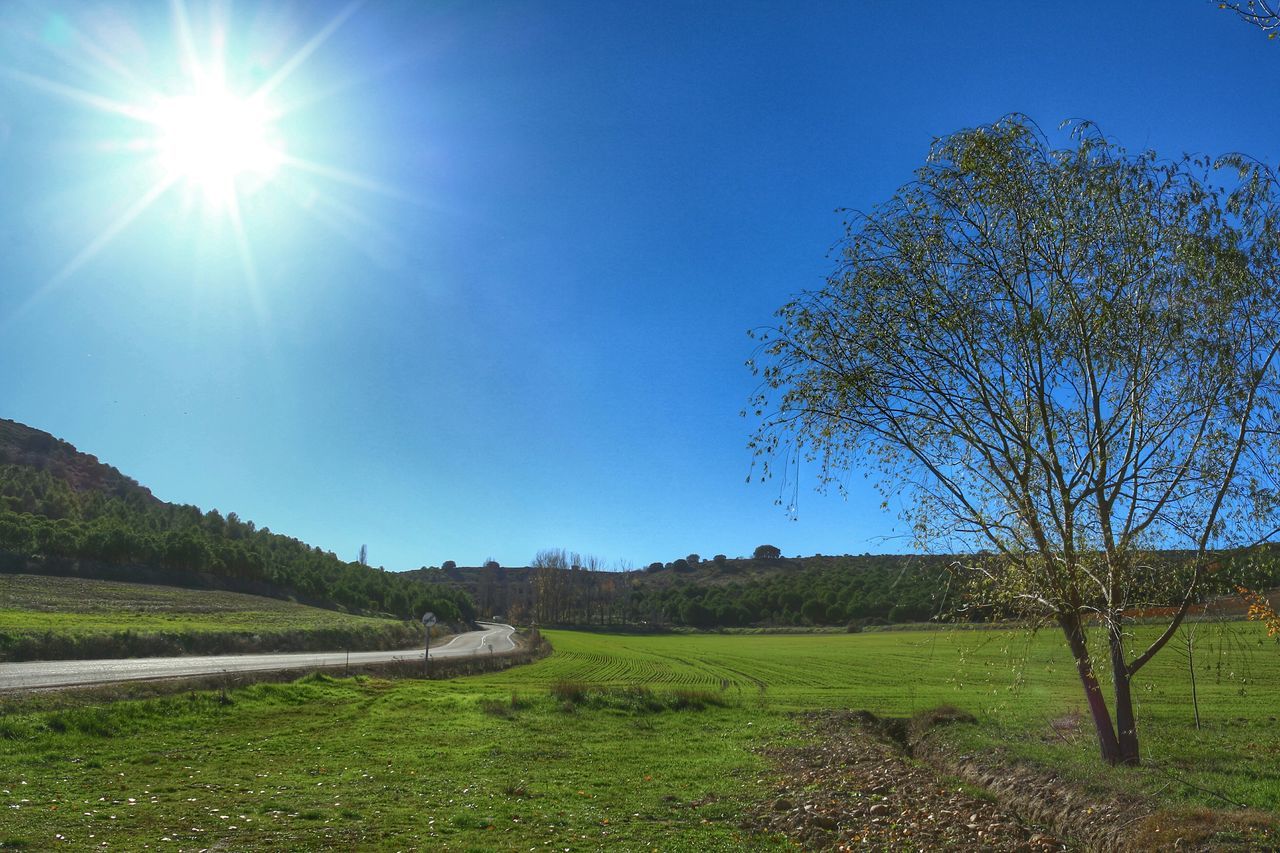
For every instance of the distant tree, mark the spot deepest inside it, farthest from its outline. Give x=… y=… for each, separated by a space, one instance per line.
x=766 y=552
x=1068 y=357
x=593 y=605
x=448 y=565
x=492 y=593
x=551 y=585
x=815 y=610
x=681 y=565
x=364 y=555
x=720 y=559
x=653 y=567
x=693 y=559
x=696 y=614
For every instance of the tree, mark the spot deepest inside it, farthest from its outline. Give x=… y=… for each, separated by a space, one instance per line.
x=1263 y=14
x=1064 y=357
x=766 y=552
x=550 y=583
x=363 y=559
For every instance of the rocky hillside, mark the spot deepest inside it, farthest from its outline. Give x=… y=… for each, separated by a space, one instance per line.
x=24 y=446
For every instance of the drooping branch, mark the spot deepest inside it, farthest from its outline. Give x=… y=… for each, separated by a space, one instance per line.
x=1260 y=13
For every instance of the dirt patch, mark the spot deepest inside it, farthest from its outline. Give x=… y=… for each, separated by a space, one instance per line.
x=850 y=784
x=858 y=780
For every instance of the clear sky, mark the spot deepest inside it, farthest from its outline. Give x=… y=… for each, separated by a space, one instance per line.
x=491 y=293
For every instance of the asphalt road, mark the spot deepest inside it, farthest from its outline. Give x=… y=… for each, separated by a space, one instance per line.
x=31 y=675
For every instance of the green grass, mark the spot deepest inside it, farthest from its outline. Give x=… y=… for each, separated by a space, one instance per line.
x=614 y=742
x=1022 y=688
x=52 y=617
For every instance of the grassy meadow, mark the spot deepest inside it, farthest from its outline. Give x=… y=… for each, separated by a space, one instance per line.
x=613 y=742
x=56 y=617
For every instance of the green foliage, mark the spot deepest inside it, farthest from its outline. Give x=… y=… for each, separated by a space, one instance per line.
x=1066 y=357
x=48 y=523
x=812 y=591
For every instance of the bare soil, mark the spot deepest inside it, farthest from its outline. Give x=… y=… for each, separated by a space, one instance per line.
x=854 y=780
x=850 y=785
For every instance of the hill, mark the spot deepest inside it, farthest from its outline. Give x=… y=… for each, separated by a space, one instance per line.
x=46 y=617
x=63 y=512
x=725 y=592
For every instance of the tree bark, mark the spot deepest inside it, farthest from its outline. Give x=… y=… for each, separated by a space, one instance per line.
x=1107 y=741
x=1126 y=723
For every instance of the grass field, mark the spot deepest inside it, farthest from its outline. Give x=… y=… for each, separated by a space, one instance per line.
x=54 y=617
x=510 y=761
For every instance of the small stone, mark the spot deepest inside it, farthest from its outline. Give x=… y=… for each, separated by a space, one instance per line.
x=879 y=808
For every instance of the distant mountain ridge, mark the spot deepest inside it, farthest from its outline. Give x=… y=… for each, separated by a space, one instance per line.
x=64 y=512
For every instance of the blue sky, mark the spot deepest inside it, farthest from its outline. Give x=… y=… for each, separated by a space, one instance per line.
x=505 y=306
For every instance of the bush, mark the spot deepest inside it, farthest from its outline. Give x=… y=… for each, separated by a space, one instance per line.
x=572 y=692
x=634 y=699
x=505 y=709
x=766 y=552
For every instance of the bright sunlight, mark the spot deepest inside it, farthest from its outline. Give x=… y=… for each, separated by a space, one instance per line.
x=212 y=139
x=201 y=128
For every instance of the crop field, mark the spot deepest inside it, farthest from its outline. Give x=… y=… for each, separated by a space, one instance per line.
x=1021 y=686
x=613 y=742
x=55 y=617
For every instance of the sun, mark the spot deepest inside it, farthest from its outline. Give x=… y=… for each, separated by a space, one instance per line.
x=214 y=140
x=205 y=118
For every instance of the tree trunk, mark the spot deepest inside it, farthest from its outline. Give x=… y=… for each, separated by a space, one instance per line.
x=1126 y=725
x=1107 y=741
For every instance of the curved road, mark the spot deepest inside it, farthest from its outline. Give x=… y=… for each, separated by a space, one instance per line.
x=33 y=675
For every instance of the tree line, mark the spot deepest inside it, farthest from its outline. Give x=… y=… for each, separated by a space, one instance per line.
x=561 y=587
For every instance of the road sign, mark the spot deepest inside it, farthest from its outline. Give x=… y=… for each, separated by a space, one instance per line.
x=428 y=619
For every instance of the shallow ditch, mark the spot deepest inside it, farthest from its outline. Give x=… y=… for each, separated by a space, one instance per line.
x=854 y=779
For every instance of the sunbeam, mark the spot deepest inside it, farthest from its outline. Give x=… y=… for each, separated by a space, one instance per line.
x=303 y=53
x=83 y=97
x=352 y=179
x=204 y=129
x=89 y=252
